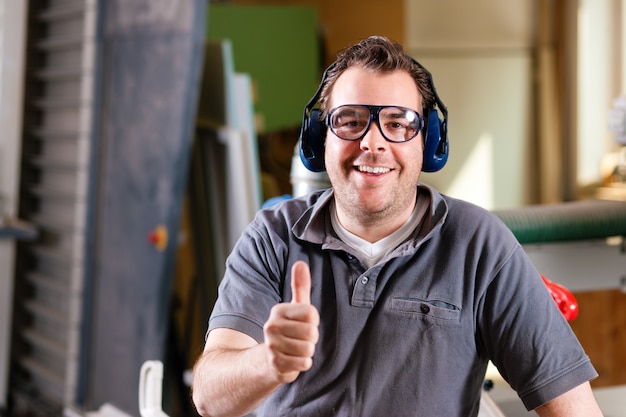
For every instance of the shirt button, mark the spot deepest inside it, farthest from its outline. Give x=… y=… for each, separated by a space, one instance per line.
x=425 y=309
x=364 y=280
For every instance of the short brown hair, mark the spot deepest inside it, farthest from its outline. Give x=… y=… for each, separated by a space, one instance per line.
x=379 y=54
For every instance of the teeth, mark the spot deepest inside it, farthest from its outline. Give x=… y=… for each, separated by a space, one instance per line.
x=373 y=170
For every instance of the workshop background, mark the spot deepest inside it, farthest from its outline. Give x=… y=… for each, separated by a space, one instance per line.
x=139 y=137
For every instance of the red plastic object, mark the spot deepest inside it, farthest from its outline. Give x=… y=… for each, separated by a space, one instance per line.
x=563 y=298
x=158 y=237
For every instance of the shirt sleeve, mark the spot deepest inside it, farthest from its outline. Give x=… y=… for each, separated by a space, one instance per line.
x=527 y=338
x=253 y=282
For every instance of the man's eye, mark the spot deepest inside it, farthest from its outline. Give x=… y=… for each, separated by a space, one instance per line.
x=348 y=122
x=396 y=125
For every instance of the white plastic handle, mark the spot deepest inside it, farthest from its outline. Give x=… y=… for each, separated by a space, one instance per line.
x=151 y=389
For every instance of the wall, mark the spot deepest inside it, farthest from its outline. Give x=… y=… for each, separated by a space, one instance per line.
x=480 y=55
x=598 y=84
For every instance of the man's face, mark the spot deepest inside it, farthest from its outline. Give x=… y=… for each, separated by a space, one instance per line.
x=374 y=178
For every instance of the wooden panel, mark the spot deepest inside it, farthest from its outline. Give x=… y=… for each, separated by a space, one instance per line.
x=348 y=21
x=601 y=329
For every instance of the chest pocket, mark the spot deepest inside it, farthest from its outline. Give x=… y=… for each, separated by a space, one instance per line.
x=427 y=309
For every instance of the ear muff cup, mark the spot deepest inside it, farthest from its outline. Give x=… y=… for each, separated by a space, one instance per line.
x=312 y=138
x=435 y=143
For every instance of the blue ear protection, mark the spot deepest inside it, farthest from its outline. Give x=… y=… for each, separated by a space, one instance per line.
x=435 y=132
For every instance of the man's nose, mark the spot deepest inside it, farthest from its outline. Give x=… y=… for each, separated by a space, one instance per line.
x=374 y=139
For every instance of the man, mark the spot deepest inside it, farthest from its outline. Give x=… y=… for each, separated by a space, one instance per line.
x=381 y=296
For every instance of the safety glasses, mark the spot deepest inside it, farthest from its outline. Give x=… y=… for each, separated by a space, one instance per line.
x=396 y=124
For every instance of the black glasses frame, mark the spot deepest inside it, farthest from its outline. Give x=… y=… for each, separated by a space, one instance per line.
x=374 y=115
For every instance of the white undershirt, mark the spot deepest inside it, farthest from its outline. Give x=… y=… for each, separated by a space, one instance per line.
x=374 y=252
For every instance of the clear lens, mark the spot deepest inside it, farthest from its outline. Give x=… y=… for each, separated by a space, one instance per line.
x=397 y=124
x=350 y=122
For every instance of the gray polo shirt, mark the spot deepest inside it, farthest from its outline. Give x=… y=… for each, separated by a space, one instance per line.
x=411 y=335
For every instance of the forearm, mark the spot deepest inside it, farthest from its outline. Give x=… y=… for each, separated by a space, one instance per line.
x=578 y=401
x=236 y=373
x=231 y=382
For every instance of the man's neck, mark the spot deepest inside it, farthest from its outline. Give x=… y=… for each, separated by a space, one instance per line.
x=373 y=227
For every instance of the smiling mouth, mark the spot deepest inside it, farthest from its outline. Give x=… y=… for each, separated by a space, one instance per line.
x=373 y=170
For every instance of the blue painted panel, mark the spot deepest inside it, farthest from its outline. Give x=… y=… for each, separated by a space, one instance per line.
x=151 y=60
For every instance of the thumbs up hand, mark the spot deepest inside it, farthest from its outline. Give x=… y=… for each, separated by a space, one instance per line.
x=291 y=332
x=300 y=283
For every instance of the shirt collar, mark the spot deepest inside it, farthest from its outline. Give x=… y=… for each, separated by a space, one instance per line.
x=314 y=224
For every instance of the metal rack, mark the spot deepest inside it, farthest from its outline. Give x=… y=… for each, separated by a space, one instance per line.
x=57 y=148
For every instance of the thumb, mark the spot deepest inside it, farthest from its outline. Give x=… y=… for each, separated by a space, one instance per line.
x=300 y=283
